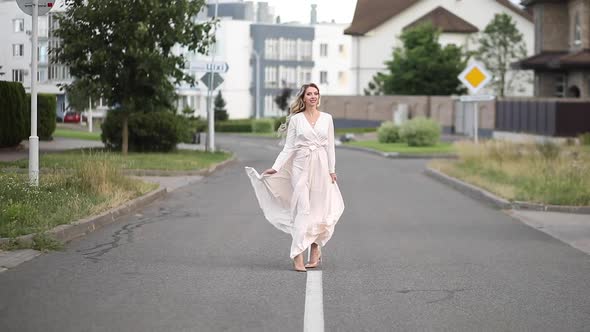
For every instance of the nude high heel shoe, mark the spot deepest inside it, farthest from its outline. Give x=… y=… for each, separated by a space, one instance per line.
x=295 y=268
x=311 y=265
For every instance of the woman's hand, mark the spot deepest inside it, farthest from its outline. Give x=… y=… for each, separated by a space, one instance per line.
x=269 y=172
x=334 y=177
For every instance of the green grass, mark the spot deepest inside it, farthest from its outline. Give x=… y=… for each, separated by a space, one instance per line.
x=181 y=160
x=92 y=186
x=442 y=147
x=524 y=172
x=69 y=133
x=342 y=131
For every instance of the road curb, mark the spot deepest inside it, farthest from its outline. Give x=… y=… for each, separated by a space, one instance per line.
x=488 y=198
x=81 y=227
x=398 y=155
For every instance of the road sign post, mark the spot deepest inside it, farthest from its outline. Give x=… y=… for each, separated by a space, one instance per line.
x=475 y=77
x=34 y=8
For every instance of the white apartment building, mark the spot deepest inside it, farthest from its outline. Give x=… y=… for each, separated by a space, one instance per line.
x=15 y=51
x=332 y=59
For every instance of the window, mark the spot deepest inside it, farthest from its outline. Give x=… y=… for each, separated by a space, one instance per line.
x=560 y=86
x=323 y=77
x=341 y=49
x=42 y=53
x=342 y=78
x=323 y=49
x=18 y=75
x=577 y=31
x=270 y=77
x=18 y=49
x=306 y=50
x=41 y=75
x=18 y=25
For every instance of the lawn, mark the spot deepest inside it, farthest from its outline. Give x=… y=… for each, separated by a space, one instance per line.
x=91 y=186
x=537 y=173
x=181 y=160
x=77 y=134
x=440 y=148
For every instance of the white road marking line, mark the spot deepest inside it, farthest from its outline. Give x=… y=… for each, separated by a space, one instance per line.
x=313 y=319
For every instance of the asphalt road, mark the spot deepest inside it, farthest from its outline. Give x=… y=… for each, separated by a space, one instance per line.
x=409 y=254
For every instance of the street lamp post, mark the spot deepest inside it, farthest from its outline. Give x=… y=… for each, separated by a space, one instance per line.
x=257 y=106
x=210 y=111
x=34 y=139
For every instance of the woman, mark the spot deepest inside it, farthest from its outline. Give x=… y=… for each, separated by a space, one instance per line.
x=299 y=194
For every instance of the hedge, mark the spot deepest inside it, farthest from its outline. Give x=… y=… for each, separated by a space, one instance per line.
x=13 y=114
x=46 y=115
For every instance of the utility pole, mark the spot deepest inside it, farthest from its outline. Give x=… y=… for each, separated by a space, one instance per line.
x=257 y=105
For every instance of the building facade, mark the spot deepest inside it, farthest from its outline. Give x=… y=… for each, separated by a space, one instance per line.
x=377 y=25
x=562 y=48
x=15 y=51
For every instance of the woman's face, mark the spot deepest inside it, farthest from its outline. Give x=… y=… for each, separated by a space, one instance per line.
x=311 y=97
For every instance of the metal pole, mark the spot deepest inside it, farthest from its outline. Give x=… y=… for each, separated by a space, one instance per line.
x=34 y=139
x=257 y=114
x=89 y=120
x=210 y=111
x=475 y=123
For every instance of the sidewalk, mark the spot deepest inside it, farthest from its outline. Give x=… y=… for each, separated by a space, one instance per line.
x=58 y=144
x=62 y=144
x=573 y=229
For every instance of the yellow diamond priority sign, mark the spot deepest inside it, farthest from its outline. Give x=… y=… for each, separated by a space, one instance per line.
x=475 y=77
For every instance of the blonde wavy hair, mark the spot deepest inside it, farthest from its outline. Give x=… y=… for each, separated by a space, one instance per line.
x=297 y=106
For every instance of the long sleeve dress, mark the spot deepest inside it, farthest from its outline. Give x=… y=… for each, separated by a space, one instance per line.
x=300 y=199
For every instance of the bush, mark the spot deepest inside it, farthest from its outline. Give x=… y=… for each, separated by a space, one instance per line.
x=420 y=132
x=13 y=114
x=234 y=126
x=46 y=115
x=584 y=138
x=151 y=131
x=279 y=121
x=263 y=125
x=388 y=133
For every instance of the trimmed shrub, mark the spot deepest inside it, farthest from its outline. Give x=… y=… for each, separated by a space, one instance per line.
x=388 y=133
x=13 y=114
x=263 y=125
x=584 y=138
x=150 y=131
x=234 y=126
x=420 y=131
x=46 y=115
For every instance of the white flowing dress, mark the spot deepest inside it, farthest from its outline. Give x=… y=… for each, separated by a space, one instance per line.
x=300 y=199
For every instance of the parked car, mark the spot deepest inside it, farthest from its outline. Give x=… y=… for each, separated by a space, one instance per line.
x=72 y=117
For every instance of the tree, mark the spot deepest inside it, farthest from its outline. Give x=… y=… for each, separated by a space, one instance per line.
x=282 y=100
x=219 y=108
x=125 y=50
x=501 y=44
x=375 y=87
x=80 y=93
x=422 y=66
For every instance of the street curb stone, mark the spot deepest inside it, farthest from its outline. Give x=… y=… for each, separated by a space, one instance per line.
x=398 y=155
x=498 y=202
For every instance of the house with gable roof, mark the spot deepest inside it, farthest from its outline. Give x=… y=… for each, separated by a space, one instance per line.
x=377 y=25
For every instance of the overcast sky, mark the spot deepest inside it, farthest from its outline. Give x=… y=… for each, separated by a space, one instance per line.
x=298 y=10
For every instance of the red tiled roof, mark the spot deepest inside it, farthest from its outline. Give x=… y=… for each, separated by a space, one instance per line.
x=446 y=21
x=370 y=14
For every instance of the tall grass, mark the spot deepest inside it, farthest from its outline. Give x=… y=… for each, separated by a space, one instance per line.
x=543 y=173
x=93 y=185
